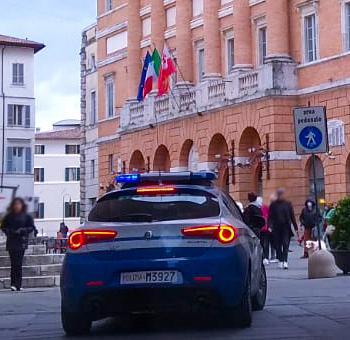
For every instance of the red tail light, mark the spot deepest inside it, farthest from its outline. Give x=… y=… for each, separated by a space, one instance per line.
x=77 y=239
x=223 y=233
x=155 y=190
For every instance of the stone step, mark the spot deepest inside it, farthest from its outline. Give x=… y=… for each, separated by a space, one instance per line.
x=35 y=260
x=33 y=282
x=30 y=271
x=32 y=250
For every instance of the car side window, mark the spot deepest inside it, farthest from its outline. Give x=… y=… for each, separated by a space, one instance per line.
x=232 y=206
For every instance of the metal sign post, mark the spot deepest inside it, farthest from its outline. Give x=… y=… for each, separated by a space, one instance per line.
x=311 y=137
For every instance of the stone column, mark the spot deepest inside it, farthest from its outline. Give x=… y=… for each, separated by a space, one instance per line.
x=158 y=24
x=242 y=35
x=277 y=30
x=212 y=43
x=184 y=48
x=134 y=50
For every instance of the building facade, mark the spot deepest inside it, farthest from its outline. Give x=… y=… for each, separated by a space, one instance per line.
x=242 y=66
x=57 y=177
x=17 y=118
x=89 y=108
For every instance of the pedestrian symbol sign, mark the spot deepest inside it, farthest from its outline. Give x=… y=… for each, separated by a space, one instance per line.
x=311 y=134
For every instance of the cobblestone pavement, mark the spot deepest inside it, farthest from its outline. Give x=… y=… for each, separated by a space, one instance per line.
x=297 y=308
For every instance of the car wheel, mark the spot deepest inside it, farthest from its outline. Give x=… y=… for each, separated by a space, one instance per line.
x=245 y=310
x=258 y=301
x=75 y=323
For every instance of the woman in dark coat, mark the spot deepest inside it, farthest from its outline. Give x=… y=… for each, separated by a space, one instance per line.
x=17 y=226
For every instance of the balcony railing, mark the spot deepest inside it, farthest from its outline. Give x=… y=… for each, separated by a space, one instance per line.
x=208 y=95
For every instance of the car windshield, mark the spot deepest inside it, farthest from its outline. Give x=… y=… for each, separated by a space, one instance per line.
x=149 y=208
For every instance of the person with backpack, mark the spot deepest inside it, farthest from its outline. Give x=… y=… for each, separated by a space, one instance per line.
x=17 y=226
x=251 y=212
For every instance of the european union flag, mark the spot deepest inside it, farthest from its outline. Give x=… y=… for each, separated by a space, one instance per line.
x=147 y=61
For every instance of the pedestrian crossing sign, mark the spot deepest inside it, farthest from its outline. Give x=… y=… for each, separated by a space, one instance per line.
x=310 y=125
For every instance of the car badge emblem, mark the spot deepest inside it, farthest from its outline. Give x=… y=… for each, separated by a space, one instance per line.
x=148 y=235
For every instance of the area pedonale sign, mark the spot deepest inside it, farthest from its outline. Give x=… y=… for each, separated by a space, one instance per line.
x=310 y=126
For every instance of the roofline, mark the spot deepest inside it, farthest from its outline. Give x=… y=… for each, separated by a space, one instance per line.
x=35 y=46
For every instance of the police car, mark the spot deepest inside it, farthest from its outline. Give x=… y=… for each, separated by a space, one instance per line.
x=164 y=242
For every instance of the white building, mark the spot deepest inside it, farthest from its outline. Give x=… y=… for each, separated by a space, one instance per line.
x=17 y=118
x=89 y=109
x=57 y=177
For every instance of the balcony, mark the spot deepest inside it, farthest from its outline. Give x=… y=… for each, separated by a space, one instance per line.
x=211 y=94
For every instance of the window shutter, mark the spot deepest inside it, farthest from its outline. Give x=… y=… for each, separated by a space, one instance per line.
x=78 y=174
x=27 y=116
x=10 y=115
x=14 y=73
x=21 y=73
x=66 y=209
x=67 y=174
x=42 y=175
x=9 y=159
x=28 y=159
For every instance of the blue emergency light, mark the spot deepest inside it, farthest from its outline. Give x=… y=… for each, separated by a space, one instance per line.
x=128 y=178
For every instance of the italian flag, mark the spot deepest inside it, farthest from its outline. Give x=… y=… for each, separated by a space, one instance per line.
x=152 y=72
x=167 y=69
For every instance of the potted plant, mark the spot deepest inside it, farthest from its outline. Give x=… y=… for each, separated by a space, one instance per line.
x=340 y=239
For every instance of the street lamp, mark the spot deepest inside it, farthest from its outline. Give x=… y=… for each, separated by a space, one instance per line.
x=63 y=202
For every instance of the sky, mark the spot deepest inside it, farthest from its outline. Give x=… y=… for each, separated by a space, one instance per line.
x=58 y=24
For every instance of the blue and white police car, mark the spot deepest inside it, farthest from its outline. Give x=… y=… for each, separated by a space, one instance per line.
x=164 y=242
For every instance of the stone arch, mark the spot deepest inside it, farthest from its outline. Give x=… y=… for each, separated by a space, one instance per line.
x=161 y=161
x=250 y=175
x=137 y=162
x=218 y=159
x=320 y=178
x=189 y=157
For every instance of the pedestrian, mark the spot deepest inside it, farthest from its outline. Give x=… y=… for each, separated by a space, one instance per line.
x=281 y=218
x=251 y=212
x=17 y=226
x=309 y=218
x=63 y=230
x=264 y=232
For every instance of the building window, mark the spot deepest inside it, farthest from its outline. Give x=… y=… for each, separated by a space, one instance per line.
x=93 y=108
x=109 y=5
x=310 y=37
x=19 y=160
x=92 y=62
x=18 y=115
x=72 y=149
x=72 y=209
x=110 y=163
x=197 y=7
x=39 y=175
x=347 y=26
x=336 y=133
x=230 y=49
x=262 y=45
x=72 y=174
x=320 y=179
x=39 y=149
x=17 y=74
x=200 y=62
x=110 y=97
x=117 y=42
x=146 y=27
x=40 y=213
x=171 y=16
x=92 y=165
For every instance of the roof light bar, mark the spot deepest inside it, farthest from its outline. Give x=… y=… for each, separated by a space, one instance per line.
x=128 y=178
x=155 y=190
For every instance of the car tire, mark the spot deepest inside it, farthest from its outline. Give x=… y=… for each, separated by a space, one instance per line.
x=244 y=313
x=259 y=299
x=75 y=324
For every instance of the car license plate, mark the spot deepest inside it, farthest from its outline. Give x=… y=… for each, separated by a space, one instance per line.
x=148 y=277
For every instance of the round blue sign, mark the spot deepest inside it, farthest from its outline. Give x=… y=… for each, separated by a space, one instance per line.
x=310 y=137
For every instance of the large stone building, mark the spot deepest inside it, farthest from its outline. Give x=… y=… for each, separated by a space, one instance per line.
x=17 y=118
x=243 y=65
x=57 y=177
